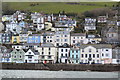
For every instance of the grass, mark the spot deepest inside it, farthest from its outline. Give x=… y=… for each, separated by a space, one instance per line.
x=55 y=7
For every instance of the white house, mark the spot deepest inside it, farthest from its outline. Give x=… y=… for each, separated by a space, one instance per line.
x=40 y=23
x=90 y=24
x=48 y=53
x=96 y=53
x=62 y=37
x=31 y=56
x=78 y=38
x=63 y=54
x=106 y=54
x=90 y=54
x=13 y=27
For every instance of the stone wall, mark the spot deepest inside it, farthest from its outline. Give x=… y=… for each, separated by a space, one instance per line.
x=64 y=67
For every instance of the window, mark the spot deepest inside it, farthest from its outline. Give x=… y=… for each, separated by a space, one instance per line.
x=65 y=35
x=29 y=52
x=106 y=49
x=14 y=56
x=30 y=57
x=82 y=55
x=107 y=55
x=97 y=61
x=97 y=55
x=65 y=40
x=86 y=55
x=42 y=57
x=61 y=50
x=66 y=55
x=76 y=56
x=49 y=57
x=42 y=52
x=90 y=55
x=82 y=50
x=49 y=53
x=102 y=54
x=61 y=55
x=72 y=51
x=97 y=50
x=66 y=50
x=42 y=48
x=57 y=40
x=20 y=57
x=73 y=41
x=15 y=52
x=76 y=51
x=49 y=49
x=76 y=61
x=93 y=55
x=50 y=40
x=72 y=56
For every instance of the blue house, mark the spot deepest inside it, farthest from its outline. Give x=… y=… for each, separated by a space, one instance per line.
x=74 y=55
x=34 y=38
x=22 y=24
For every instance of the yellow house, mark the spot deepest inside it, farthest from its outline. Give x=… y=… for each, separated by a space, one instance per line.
x=15 y=39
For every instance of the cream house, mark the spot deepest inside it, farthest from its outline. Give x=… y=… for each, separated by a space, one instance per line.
x=96 y=53
x=48 y=53
x=78 y=38
x=90 y=54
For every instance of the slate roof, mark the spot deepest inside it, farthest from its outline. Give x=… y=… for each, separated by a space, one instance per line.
x=47 y=45
x=98 y=46
x=78 y=34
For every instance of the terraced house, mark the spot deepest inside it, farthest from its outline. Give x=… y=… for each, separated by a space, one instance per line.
x=34 y=38
x=17 y=55
x=74 y=56
x=48 y=53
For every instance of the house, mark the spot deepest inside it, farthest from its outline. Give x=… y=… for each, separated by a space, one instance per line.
x=93 y=39
x=5 y=54
x=49 y=37
x=102 y=19
x=62 y=37
x=13 y=27
x=26 y=46
x=106 y=53
x=63 y=53
x=111 y=35
x=31 y=56
x=94 y=53
x=48 y=53
x=78 y=38
x=19 y=16
x=17 y=55
x=6 y=18
x=5 y=38
x=34 y=38
x=116 y=55
x=15 y=39
x=40 y=23
x=90 y=54
x=74 y=56
x=23 y=37
x=90 y=24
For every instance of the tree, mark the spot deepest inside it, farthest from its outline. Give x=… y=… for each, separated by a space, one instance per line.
x=6 y=9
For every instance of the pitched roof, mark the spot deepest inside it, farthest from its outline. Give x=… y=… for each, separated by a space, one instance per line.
x=98 y=46
x=78 y=34
x=47 y=45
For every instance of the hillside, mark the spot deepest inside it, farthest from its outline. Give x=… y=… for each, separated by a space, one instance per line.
x=55 y=7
